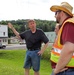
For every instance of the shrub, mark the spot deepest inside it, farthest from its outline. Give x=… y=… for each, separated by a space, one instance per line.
x=46 y=54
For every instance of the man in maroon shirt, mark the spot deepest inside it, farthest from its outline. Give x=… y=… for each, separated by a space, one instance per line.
x=62 y=14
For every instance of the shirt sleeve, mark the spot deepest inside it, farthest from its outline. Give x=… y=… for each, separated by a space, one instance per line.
x=68 y=33
x=22 y=35
x=44 y=38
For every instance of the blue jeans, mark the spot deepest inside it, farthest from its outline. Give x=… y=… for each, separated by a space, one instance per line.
x=32 y=60
x=67 y=72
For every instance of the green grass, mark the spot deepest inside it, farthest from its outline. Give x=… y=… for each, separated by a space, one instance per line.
x=11 y=63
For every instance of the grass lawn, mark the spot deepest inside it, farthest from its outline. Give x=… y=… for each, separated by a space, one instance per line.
x=11 y=63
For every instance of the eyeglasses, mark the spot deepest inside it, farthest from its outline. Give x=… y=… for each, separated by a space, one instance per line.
x=57 y=12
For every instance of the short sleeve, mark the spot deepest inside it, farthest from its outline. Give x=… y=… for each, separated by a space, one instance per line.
x=44 y=37
x=68 y=33
x=22 y=35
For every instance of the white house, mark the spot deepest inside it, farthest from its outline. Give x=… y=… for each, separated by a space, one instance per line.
x=4 y=34
x=51 y=36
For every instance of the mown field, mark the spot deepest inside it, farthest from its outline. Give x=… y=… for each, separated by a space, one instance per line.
x=11 y=63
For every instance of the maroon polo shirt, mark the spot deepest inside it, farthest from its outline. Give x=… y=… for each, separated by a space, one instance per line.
x=67 y=36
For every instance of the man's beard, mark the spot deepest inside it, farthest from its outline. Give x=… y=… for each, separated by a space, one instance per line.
x=57 y=21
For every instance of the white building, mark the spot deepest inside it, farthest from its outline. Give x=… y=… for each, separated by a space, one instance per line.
x=51 y=36
x=4 y=34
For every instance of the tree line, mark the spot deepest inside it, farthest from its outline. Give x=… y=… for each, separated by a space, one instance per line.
x=21 y=25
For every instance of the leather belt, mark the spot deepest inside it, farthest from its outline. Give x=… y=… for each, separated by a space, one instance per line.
x=34 y=49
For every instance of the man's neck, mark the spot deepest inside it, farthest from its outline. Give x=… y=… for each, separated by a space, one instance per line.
x=33 y=30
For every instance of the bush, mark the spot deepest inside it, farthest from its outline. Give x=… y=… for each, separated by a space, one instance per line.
x=46 y=54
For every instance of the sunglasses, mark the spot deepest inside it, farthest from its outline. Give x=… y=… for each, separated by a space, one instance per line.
x=57 y=12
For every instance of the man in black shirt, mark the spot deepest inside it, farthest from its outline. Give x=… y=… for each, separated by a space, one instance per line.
x=34 y=38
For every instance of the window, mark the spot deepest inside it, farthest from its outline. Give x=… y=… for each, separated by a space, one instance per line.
x=4 y=33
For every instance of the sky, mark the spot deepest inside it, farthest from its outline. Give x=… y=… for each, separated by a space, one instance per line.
x=29 y=9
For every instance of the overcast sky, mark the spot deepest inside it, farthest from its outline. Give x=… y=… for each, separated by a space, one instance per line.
x=28 y=9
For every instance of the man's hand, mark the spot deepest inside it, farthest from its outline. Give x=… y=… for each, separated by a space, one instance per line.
x=56 y=71
x=10 y=25
x=40 y=52
x=14 y=30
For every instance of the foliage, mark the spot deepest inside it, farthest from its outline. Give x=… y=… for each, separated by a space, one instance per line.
x=46 y=54
x=21 y=25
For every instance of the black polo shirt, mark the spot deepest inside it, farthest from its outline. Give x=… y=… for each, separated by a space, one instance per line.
x=34 y=40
